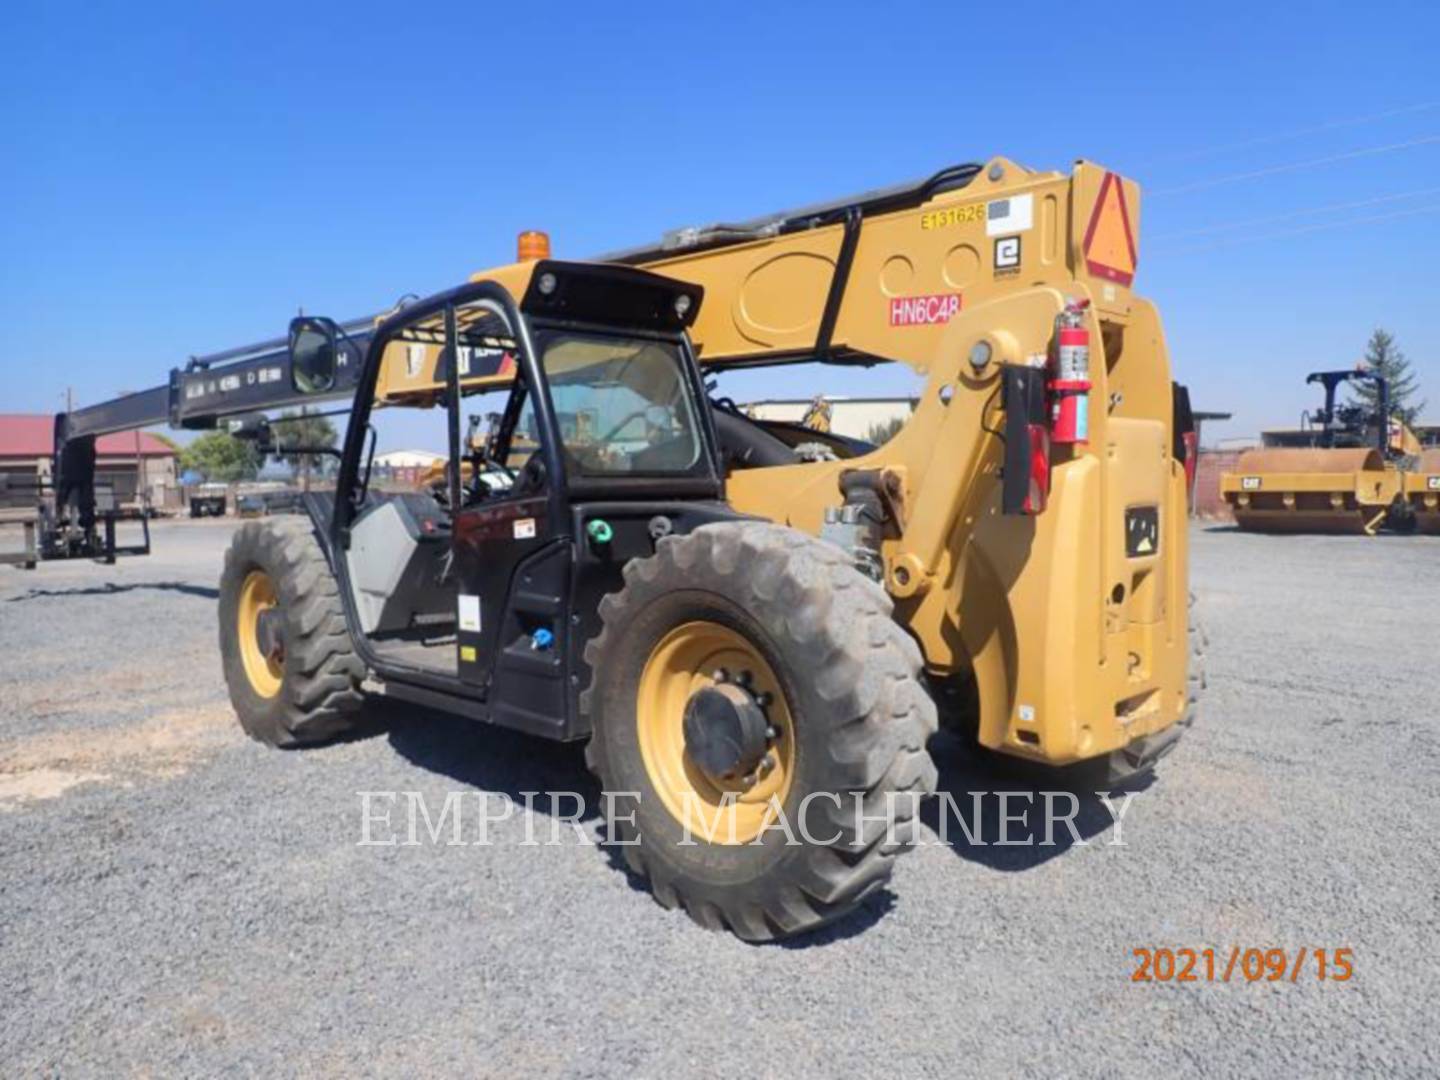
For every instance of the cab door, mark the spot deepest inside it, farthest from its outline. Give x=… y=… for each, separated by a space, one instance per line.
x=511 y=561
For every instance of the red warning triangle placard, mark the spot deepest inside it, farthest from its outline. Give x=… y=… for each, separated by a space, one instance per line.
x=1109 y=241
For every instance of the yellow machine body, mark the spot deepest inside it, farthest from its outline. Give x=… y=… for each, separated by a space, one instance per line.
x=1078 y=645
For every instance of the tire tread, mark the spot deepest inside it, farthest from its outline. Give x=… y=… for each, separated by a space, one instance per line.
x=321 y=691
x=865 y=666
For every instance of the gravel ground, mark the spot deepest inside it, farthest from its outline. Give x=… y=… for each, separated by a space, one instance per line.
x=174 y=898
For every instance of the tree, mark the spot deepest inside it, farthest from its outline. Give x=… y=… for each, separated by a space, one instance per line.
x=300 y=429
x=219 y=456
x=1384 y=358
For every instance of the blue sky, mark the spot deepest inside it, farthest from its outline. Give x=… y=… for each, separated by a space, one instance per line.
x=181 y=178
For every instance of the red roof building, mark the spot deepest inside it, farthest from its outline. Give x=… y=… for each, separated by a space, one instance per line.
x=129 y=463
x=25 y=436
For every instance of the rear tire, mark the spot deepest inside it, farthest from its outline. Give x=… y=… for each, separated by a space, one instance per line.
x=848 y=720
x=306 y=690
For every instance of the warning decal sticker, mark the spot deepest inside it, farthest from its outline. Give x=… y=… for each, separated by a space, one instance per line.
x=1109 y=245
x=1142 y=531
x=469 y=613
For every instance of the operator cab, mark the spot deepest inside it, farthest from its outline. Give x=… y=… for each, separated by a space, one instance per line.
x=586 y=437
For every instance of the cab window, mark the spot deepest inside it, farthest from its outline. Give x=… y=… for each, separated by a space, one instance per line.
x=622 y=405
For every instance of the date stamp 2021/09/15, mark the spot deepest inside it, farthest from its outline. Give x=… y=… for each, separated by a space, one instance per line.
x=1242 y=964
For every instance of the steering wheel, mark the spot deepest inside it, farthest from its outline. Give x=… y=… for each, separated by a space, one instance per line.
x=476 y=490
x=639 y=414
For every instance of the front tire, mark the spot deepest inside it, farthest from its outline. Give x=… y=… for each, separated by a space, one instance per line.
x=783 y=627
x=290 y=665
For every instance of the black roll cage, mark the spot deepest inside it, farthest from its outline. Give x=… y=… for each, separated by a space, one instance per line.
x=349 y=494
x=529 y=375
x=347 y=487
x=1331 y=381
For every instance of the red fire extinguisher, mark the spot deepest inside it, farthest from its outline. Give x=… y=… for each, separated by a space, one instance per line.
x=1069 y=384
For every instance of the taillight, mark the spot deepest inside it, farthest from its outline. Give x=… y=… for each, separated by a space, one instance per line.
x=1038 y=490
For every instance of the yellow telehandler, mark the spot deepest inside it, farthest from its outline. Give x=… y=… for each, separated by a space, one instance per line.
x=752 y=623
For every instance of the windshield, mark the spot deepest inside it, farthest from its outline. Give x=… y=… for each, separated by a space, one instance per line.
x=622 y=405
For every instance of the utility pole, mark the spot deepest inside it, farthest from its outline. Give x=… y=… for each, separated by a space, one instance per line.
x=142 y=492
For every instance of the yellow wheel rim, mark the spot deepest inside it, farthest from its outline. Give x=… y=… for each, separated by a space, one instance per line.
x=257 y=594
x=685 y=661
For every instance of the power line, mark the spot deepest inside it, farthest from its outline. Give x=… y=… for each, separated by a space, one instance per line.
x=1297 y=133
x=1372 y=219
x=1297 y=166
x=1332 y=208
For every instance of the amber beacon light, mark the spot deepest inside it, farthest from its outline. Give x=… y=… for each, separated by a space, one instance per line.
x=532 y=245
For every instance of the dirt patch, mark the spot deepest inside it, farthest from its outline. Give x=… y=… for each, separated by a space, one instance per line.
x=19 y=788
x=1235 y=788
x=46 y=766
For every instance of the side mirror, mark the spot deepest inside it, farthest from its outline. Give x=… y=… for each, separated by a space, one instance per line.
x=314 y=346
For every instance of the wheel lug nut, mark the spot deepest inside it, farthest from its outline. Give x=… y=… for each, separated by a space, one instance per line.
x=744 y=678
x=720 y=675
x=764 y=698
x=772 y=733
x=750 y=779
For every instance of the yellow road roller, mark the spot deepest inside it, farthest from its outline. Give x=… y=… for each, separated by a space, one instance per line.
x=1422 y=492
x=1338 y=485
